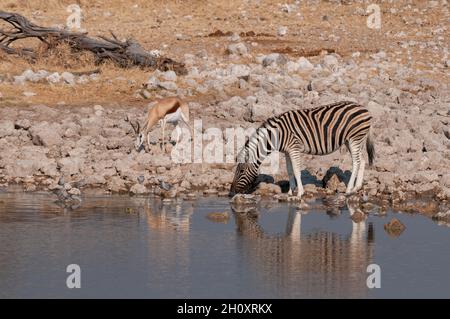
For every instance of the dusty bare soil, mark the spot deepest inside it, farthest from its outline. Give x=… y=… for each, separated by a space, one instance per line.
x=205 y=26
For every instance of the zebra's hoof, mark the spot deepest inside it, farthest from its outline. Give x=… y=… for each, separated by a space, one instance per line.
x=302 y=205
x=294 y=199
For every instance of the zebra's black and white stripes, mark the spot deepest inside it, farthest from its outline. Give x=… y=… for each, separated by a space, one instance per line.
x=317 y=131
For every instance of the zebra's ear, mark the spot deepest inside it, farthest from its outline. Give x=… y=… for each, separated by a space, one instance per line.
x=242 y=156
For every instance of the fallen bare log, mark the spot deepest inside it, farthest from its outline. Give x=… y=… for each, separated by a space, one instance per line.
x=123 y=53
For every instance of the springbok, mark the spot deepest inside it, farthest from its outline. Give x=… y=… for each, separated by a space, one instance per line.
x=166 y=110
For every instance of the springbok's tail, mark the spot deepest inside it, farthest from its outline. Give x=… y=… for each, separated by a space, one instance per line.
x=370 y=149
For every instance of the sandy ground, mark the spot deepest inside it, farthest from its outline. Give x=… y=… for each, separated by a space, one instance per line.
x=313 y=26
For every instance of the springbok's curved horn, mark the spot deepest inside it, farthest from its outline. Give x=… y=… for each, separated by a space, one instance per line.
x=135 y=126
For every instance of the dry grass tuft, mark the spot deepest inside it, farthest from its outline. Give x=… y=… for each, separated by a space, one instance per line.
x=63 y=57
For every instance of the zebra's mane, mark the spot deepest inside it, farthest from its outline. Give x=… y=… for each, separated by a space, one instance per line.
x=243 y=154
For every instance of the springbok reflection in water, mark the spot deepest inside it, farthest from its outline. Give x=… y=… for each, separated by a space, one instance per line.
x=322 y=263
x=169 y=217
x=170 y=243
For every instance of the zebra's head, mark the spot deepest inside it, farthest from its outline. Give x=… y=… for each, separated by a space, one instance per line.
x=244 y=180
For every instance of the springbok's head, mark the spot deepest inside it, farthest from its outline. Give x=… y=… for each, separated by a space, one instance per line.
x=140 y=138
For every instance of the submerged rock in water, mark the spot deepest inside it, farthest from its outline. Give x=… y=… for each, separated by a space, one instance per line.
x=244 y=203
x=245 y=199
x=394 y=228
x=358 y=216
x=219 y=217
x=66 y=199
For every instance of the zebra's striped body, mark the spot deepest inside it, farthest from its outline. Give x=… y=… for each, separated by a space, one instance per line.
x=317 y=131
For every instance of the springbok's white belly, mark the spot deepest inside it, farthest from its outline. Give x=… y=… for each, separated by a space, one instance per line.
x=173 y=117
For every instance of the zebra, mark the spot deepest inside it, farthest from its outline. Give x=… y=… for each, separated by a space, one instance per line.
x=316 y=131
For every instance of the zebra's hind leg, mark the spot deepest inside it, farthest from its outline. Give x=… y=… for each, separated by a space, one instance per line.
x=290 y=171
x=355 y=148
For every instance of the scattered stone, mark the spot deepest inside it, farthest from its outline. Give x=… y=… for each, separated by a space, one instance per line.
x=152 y=83
x=237 y=49
x=138 y=189
x=331 y=62
x=333 y=184
x=169 y=76
x=165 y=186
x=442 y=216
x=117 y=185
x=54 y=78
x=282 y=31
x=68 y=78
x=169 y=86
x=6 y=128
x=310 y=188
x=19 y=80
x=276 y=59
x=394 y=228
x=46 y=134
x=268 y=189
x=29 y=94
x=21 y=124
x=74 y=191
x=304 y=64
x=282 y=197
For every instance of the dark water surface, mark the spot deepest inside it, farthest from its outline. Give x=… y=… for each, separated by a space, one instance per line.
x=136 y=247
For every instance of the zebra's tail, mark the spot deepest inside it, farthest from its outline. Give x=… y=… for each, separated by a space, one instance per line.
x=370 y=149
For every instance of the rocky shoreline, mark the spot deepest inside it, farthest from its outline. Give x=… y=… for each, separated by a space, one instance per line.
x=93 y=147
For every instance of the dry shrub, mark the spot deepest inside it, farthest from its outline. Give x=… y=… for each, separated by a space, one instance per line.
x=62 y=56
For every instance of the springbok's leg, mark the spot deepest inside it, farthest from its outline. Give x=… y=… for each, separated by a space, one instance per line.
x=290 y=174
x=163 y=124
x=148 y=140
x=295 y=161
x=186 y=122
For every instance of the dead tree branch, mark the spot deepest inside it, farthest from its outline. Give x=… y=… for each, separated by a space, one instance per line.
x=123 y=53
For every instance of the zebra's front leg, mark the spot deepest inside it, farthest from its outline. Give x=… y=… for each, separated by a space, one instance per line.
x=290 y=174
x=360 y=175
x=351 y=182
x=295 y=162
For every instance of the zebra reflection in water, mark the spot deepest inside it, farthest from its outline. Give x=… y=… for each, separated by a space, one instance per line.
x=323 y=263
